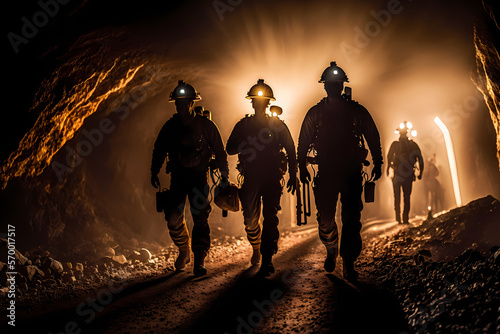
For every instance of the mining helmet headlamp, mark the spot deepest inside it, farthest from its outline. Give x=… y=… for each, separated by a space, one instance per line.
x=405 y=127
x=260 y=90
x=276 y=111
x=333 y=73
x=184 y=91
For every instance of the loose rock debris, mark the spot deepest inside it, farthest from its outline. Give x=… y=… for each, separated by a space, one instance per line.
x=444 y=272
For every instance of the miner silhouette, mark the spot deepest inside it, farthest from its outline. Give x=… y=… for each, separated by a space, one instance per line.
x=433 y=188
x=402 y=158
x=334 y=131
x=259 y=141
x=188 y=140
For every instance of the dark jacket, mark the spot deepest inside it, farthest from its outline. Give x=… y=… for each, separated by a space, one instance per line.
x=403 y=155
x=189 y=146
x=337 y=132
x=259 y=143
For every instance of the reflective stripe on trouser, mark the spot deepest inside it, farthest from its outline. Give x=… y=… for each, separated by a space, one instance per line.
x=405 y=184
x=326 y=193
x=253 y=192
x=195 y=187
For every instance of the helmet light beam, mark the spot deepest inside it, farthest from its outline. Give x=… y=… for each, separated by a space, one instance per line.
x=451 y=159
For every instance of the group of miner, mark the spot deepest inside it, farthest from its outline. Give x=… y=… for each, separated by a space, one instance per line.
x=332 y=136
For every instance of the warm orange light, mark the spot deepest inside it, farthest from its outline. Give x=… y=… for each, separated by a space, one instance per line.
x=451 y=159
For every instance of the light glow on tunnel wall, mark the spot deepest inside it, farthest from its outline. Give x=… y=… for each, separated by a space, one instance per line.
x=451 y=159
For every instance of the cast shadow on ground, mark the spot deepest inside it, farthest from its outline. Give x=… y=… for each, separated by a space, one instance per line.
x=78 y=310
x=362 y=307
x=246 y=304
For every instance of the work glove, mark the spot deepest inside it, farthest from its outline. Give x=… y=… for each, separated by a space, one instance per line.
x=155 y=181
x=292 y=184
x=377 y=171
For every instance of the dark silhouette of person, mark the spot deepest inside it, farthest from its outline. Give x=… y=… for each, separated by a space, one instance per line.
x=402 y=158
x=335 y=130
x=188 y=140
x=259 y=141
x=433 y=188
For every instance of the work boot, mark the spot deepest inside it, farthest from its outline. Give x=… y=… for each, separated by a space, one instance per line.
x=266 y=268
x=183 y=258
x=349 y=272
x=255 y=260
x=331 y=259
x=199 y=264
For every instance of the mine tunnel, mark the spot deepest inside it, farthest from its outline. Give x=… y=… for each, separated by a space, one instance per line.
x=87 y=87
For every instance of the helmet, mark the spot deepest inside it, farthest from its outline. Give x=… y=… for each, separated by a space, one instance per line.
x=260 y=90
x=276 y=111
x=333 y=73
x=226 y=197
x=184 y=91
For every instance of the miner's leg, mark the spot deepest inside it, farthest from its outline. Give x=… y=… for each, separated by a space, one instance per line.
x=351 y=243
x=407 y=186
x=396 y=186
x=250 y=205
x=326 y=194
x=200 y=210
x=271 y=195
x=174 y=214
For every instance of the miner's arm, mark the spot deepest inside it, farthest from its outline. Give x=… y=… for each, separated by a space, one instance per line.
x=234 y=139
x=306 y=136
x=289 y=145
x=372 y=137
x=160 y=151
x=390 y=156
x=217 y=145
x=420 y=160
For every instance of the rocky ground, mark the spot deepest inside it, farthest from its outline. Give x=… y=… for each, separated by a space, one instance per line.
x=436 y=275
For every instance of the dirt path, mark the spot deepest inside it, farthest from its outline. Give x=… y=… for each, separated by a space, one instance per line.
x=299 y=298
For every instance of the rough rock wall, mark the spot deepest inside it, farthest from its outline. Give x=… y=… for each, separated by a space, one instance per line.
x=487 y=76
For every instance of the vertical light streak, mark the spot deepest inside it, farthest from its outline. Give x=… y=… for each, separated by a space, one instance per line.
x=451 y=159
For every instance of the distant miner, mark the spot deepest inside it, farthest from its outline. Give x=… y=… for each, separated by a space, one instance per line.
x=402 y=157
x=189 y=140
x=334 y=131
x=433 y=188
x=259 y=141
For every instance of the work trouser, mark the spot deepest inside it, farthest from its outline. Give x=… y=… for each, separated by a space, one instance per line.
x=326 y=192
x=405 y=183
x=193 y=185
x=254 y=191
